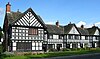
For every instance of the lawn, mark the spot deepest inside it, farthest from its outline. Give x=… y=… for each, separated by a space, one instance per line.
x=53 y=54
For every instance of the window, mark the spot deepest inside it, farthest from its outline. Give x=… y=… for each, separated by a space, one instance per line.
x=50 y=36
x=83 y=37
x=33 y=31
x=19 y=30
x=12 y=37
x=76 y=37
x=17 y=34
x=16 y=30
x=33 y=46
x=36 y=46
x=97 y=37
x=13 y=33
x=16 y=37
x=19 y=37
x=70 y=37
x=26 y=34
x=86 y=37
x=55 y=37
x=91 y=37
x=60 y=37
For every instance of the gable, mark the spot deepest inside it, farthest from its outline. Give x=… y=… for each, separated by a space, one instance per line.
x=96 y=32
x=73 y=31
x=29 y=18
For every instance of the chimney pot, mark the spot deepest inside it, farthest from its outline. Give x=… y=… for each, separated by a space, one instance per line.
x=8 y=8
x=82 y=26
x=57 y=23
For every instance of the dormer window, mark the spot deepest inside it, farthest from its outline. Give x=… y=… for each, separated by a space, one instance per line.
x=33 y=31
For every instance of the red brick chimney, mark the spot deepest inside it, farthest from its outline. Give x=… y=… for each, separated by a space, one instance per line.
x=8 y=8
x=57 y=23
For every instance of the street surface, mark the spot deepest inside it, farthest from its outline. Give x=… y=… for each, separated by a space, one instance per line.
x=85 y=56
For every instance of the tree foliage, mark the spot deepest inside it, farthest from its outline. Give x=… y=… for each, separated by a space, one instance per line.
x=1 y=48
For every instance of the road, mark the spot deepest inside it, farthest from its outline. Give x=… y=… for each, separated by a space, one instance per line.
x=85 y=56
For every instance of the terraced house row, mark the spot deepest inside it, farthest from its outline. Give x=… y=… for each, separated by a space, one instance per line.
x=27 y=32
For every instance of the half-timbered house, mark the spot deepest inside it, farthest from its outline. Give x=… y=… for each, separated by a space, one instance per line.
x=84 y=37
x=55 y=36
x=23 y=31
x=71 y=36
x=94 y=36
x=27 y=32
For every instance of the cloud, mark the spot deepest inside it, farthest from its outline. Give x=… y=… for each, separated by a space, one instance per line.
x=80 y=23
x=53 y=23
x=1 y=12
x=89 y=25
x=97 y=24
x=50 y=22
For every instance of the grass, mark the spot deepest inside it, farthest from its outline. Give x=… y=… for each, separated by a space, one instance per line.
x=54 y=54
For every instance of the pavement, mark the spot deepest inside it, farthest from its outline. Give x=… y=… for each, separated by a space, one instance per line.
x=84 y=56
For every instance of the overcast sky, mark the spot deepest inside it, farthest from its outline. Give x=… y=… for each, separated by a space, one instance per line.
x=86 y=12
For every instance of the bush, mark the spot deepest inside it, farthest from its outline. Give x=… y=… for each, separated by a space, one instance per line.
x=66 y=49
x=73 y=49
x=8 y=54
x=52 y=50
x=1 y=48
x=28 y=53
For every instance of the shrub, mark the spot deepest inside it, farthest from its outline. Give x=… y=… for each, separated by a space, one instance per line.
x=1 y=48
x=66 y=49
x=8 y=54
x=73 y=49
x=52 y=50
x=28 y=53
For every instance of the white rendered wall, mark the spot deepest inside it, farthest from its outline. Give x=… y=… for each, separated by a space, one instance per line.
x=55 y=36
x=96 y=32
x=73 y=31
x=70 y=45
x=14 y=46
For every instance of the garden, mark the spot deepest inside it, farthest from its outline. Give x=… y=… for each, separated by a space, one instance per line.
x=51 y=53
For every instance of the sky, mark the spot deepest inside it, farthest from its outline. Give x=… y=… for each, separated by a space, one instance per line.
x=86 y=12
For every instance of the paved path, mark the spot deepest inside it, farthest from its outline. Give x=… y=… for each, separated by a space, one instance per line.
x=85 y=56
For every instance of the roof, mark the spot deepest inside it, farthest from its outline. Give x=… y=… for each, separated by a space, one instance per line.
x=68 y=27
x=53 y=29
x=14 y=16
x=83 y=31
x=92 y=30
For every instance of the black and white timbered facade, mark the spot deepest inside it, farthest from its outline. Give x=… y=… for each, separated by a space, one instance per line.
x=27 y=32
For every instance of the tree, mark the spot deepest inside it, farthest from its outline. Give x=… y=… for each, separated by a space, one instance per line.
x=1 y=48
x=1 y=36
